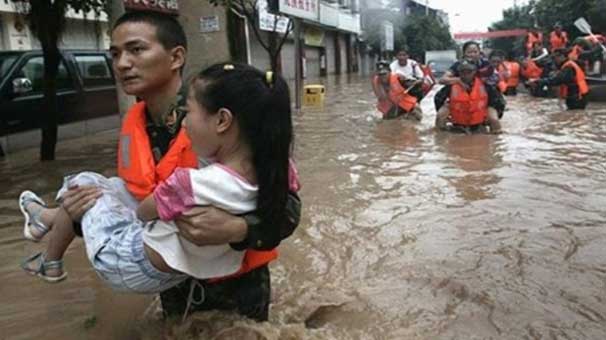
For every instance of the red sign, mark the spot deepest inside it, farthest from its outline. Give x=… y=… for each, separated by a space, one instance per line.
x=164 y=6
x=491 y=34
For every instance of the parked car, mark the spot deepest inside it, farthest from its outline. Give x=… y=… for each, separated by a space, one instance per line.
x=85 y=88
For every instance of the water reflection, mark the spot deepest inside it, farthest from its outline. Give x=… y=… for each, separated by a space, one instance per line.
x=471 y=161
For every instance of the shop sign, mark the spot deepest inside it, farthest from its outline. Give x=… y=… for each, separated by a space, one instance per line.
x=209 y=24
x=329 y=15
x=269 y=21
x=164 y=6
x=305 y=9
x=314 y=37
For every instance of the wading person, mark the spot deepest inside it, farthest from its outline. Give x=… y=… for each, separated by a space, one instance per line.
x=570 y=78
x=471 y=105
x=148 y=52
x=393 y=100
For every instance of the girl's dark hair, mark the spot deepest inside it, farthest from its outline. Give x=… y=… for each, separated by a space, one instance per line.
x=469 y=43
x=260 y=103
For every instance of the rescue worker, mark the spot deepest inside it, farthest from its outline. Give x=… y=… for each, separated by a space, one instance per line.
x=587 y=51
x=393 y=100
x=532 y=37
x=148 y=53
x=557 y=38
x=496 y=59
x=537 y=65
x=513 y=70
x=570 y=78
x=470 y=105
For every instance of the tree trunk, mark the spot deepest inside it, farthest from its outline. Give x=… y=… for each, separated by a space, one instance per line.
x=51 y=118
x=274 y=53
x=47 y=18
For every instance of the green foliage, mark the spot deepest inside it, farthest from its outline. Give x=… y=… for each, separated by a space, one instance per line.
x=426 y=33
x=515 y=17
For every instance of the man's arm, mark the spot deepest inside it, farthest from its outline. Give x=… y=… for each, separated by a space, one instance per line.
x=210 y=225
x=496 y=100
x=561 y=77
x=440 y=98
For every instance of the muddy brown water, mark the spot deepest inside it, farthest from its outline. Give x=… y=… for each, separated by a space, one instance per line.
x=406 y=234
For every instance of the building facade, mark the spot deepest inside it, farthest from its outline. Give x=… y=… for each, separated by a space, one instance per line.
x=82 y=31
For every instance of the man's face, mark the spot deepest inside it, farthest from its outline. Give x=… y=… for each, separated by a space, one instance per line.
x=495 y=61
x=467 y=75
x=141 y=64
x=384 y=77
x=402 y=58
x=558 y=29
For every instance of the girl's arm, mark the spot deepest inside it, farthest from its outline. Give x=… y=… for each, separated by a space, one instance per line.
x=147 y=209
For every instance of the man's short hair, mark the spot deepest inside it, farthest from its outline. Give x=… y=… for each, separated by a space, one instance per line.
x=169 y=31
x=402 y=51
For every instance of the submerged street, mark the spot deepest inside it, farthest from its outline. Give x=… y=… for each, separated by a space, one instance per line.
x=406 y=233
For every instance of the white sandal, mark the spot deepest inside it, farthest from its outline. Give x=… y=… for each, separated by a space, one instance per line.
x=32 y=219
x=43 y=266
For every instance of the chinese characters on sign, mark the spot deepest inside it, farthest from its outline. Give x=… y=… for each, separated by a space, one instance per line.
x=271 y=22
x=306 y=9
x=209 y=24
x=165 y=6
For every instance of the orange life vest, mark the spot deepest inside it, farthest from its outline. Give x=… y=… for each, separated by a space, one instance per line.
x=468 y=109
x=428 y=79
x=579 y=79
x=532 y=70
x=514 y=73
x=558 y=41
x=384 y=104
x=398 y=94
x=531 y=39
x=136 y=166
x=502 y=83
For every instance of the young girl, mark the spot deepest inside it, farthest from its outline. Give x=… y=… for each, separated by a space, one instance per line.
x=240 y=119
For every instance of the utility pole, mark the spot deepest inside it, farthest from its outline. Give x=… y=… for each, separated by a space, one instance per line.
x=298 y=66
x=426 y=7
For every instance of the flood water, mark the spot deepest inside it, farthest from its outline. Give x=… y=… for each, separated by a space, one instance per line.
x=406 y=233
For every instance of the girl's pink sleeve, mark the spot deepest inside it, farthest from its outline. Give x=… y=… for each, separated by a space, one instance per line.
x=293 y=177
x=175 y=195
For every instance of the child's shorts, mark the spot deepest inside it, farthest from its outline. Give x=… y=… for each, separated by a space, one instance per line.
x=113 y=237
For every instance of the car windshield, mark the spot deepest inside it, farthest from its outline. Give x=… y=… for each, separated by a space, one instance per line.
x=6 y=61
x=440 y=65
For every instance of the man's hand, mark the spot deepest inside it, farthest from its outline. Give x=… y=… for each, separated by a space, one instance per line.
x=78 y=199
x=459 y=81
x=210 y=226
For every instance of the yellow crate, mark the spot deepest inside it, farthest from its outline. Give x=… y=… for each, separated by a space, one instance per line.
x=313 y=95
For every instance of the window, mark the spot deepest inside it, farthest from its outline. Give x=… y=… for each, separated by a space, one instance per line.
x=34 y=71
x=94 y=70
